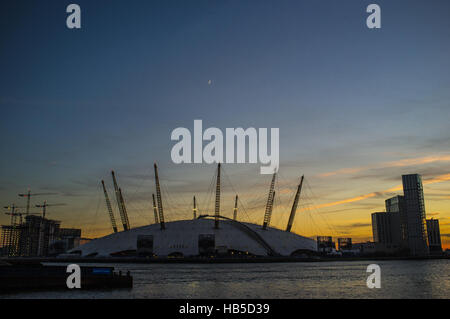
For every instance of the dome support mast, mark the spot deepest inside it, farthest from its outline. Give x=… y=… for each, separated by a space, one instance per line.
x=121 y=204
x=194 y=210
x=269 y=205
x=158 y=198
x=110 y=211
x=155 y=209
x=294 y=205
x=217 y=208
x=235 y=208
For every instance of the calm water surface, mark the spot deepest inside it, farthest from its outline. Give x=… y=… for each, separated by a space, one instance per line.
x=399 y=279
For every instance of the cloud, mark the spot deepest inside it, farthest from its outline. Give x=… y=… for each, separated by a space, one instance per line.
x=350 y=228
x=400 y=163
x=360 y=225
x=438 y=179
x=432 y=214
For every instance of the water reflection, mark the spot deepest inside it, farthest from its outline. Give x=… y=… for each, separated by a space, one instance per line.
x=399 y=279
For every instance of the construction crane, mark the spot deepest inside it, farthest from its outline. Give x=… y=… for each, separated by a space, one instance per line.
x=159 y=199
x=217 y=208
x=45 y=205
x=14 y=214
x=294 y=205
x=28 y=195
x=269 y=205
x=235 y=209
x=120 y=204
x=155 y=209
x=194 y=210
x=110 y=211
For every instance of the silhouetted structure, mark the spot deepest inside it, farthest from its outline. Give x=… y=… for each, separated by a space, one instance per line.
x=403 y=226
x=396 y=204
x=38 y=237
x=415 y=214
x=269 y=204
x=386 y=231
x=344 y=243
x=294 y=205
x=68 y=238
x=10 y=240
x=434 y=236
x=325 y=244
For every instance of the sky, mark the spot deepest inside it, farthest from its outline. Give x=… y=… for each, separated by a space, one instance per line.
x=356 y=107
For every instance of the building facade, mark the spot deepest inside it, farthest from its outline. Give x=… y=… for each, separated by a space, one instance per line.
x=68 y=238
x=37 y=237
x=386 y=230
x=344 y=243
x=434 y=236
x=325 y=244
x=396 y=204
x=415 y=214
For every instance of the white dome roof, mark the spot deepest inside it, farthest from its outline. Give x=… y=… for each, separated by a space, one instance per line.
x=183 y=236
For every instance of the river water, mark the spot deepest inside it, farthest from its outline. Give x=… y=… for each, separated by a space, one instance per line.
x=340 y=279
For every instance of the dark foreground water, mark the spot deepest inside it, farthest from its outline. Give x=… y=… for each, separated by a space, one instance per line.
x=399 y=279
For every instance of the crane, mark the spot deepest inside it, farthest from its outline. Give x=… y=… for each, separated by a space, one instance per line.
x=28 y=195
x=45 y=205
x=14 y=214
x=108 y=205
x=269 y=205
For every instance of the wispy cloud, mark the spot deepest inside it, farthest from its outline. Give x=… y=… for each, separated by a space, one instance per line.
x=400 y=163
x=438 y=179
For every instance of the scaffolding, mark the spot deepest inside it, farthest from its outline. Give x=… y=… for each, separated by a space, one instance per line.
x=31 y=238
x=10 y=240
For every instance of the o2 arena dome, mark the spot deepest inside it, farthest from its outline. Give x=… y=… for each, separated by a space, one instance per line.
x=205 y=235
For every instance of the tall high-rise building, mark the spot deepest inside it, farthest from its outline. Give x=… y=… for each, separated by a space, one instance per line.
x=415 y=214
x=37 y=236
x=386 y=229
x=434 y=235
x=396 y=204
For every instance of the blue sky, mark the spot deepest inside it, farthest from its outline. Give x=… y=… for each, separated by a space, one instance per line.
x=77 y=103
